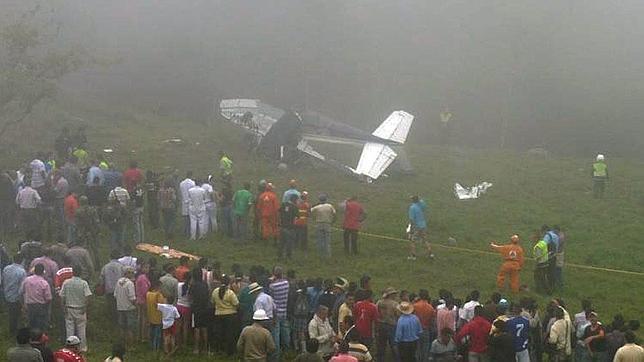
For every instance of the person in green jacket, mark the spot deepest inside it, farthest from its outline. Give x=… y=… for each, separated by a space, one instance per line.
x=540 y=254
x=600 y=176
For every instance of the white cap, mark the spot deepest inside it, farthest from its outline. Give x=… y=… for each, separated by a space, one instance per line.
x=260 y=315
x=72 y=341
x=600 y=157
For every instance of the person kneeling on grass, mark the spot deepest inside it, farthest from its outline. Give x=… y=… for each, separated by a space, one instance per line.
x=169 y=314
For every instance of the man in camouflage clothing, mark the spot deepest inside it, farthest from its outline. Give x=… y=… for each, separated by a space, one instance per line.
x=88 y=227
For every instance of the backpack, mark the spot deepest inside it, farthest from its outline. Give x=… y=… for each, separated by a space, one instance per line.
x=301 y=309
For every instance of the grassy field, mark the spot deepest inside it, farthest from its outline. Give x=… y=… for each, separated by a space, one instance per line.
x=527 y=193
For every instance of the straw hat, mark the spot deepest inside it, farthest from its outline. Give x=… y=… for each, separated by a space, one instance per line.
x=406 y=308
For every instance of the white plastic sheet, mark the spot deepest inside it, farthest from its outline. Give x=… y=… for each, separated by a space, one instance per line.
x=469 y=193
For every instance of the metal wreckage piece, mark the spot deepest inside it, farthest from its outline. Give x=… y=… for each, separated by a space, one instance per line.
x=278 y=133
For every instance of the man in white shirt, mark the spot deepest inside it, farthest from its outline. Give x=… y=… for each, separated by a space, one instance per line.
x=28 y=201
x=38 y=172
x=126 y=305
x=211 y=207
x=197 y=212
x=184 y=186
x=466 y=314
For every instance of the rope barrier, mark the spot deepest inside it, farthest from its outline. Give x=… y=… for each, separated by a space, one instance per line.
x=483 y=252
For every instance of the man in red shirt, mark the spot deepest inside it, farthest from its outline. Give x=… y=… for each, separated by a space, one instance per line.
x=70 y=205
x=365 y=314
x=354 y=215
x=132 y=177
x=478 y=329
x=71 y=352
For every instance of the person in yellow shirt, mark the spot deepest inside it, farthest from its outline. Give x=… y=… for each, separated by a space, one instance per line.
x=152 y=298
x=513 y=260
x=226 y=326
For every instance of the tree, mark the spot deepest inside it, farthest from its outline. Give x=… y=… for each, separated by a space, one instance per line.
x=30 y=70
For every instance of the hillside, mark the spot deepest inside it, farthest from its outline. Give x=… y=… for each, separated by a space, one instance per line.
x=527 y=193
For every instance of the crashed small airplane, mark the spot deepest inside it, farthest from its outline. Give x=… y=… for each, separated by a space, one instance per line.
x=283 y=134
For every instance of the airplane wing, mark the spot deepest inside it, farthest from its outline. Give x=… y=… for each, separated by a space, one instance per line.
x=251 y=114
x=375 y=159
x=395 y=127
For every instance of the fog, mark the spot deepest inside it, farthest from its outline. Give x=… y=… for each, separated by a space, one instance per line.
x=563 y=75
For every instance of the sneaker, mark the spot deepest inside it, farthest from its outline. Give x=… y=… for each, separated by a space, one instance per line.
x=411 y=257
x=431 y=256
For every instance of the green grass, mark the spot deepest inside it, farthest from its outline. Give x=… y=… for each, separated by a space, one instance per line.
x=527 y=192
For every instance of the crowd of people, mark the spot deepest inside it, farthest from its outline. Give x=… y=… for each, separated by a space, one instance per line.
x=60 y=211
x=263 y=315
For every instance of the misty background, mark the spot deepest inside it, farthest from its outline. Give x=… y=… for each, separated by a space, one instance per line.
x=565 y=76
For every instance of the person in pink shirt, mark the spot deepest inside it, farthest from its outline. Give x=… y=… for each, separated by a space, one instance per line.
x=343 y=354
x=36 y=294
x=141 y=287
x=51 y=267
x=132 y=177
x=446 y=317
x=354 y=215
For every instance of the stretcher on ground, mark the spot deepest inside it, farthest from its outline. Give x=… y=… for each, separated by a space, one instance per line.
x=164 y=251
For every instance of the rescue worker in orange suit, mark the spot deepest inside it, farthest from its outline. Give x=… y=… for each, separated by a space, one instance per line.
x=268 y=206
x=512 y=255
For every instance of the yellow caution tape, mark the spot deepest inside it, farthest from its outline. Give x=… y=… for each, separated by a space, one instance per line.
x=476 y=251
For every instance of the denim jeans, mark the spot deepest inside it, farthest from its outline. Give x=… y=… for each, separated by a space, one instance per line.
x=155 y=336
x=241 y=227
x=227 y=220
x=281 y=335
x=523 y=356
x=287 y=239
x=169 y=216
x=323 y=234
x=14 y=312
x=38 y=316
x=71 y=233
x=139 y=227
x=386 y=335
x=424 y=345
x=117 y=237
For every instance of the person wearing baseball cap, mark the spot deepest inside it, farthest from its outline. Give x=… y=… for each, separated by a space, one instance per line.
x=512 y=254
x=255 y=342
x=71 y=351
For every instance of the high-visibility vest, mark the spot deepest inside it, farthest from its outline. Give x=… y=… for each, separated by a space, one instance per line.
x=226 y=165
x=103 y=165
x=599 y=169
x=540 y=252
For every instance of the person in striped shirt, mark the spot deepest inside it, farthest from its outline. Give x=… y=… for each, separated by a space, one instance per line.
x=278 y=289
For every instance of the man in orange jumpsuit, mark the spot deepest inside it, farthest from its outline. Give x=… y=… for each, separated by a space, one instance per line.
x=268 y=206
x=512 y=255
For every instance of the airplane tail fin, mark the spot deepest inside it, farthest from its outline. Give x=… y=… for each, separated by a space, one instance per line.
x=396 y=127
x=375 y=159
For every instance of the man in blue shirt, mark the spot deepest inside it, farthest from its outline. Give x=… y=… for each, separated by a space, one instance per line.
x=93 y=173
x=408 y=330
x=12 y=277
x=417 y=229
x=552 y=240
x=519 y=329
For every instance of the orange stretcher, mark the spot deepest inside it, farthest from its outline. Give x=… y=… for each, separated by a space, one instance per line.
x=168 y=253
